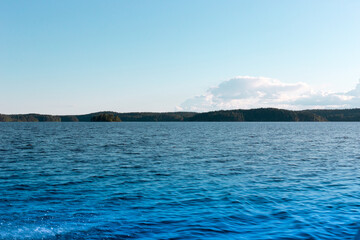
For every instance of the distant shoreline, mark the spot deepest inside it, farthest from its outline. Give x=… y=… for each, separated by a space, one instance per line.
x=238 y=115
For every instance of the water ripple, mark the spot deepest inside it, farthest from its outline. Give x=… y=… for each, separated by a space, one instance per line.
x=179 y=181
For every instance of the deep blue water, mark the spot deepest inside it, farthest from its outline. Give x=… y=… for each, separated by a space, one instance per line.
x=179 y=180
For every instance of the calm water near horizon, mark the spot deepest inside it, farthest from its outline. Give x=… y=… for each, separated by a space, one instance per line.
x=125 y=180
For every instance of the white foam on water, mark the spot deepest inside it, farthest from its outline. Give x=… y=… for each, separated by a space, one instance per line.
x=32 y=232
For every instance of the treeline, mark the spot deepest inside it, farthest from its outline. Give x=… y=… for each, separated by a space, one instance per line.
x=33 y=118
x=101 y=117
x=341 y=115
x=259 y=115
x=105 y=117
x=141 y=116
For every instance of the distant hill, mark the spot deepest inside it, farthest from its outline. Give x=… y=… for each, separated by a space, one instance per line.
x=259 y=115
x=239 y=115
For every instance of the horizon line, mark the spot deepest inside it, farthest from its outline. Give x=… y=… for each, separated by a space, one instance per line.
x=236 y=109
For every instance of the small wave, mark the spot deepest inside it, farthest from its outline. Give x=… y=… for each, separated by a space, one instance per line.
x=281 y=215
x=80 y=150
x=31 y=232
x=27 y=146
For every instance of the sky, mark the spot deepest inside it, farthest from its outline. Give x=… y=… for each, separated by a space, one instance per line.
x=75 y=57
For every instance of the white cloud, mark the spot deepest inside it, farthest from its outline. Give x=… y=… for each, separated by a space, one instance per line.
x=247 y=92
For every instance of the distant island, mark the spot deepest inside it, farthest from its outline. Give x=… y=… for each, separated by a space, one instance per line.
x=239 y=115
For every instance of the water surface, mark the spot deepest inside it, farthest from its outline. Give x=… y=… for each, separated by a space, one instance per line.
x=179 y=180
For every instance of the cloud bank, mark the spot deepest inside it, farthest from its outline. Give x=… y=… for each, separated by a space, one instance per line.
x=247 y=92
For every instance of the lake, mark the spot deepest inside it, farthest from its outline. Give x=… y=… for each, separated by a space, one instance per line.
x=186 y=180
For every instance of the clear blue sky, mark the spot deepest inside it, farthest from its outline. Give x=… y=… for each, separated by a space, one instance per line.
x=67 y=57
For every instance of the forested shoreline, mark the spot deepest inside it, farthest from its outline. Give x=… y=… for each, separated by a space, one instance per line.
x=239 y=115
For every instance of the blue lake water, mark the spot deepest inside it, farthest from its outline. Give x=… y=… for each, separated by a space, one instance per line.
x=179 y=180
